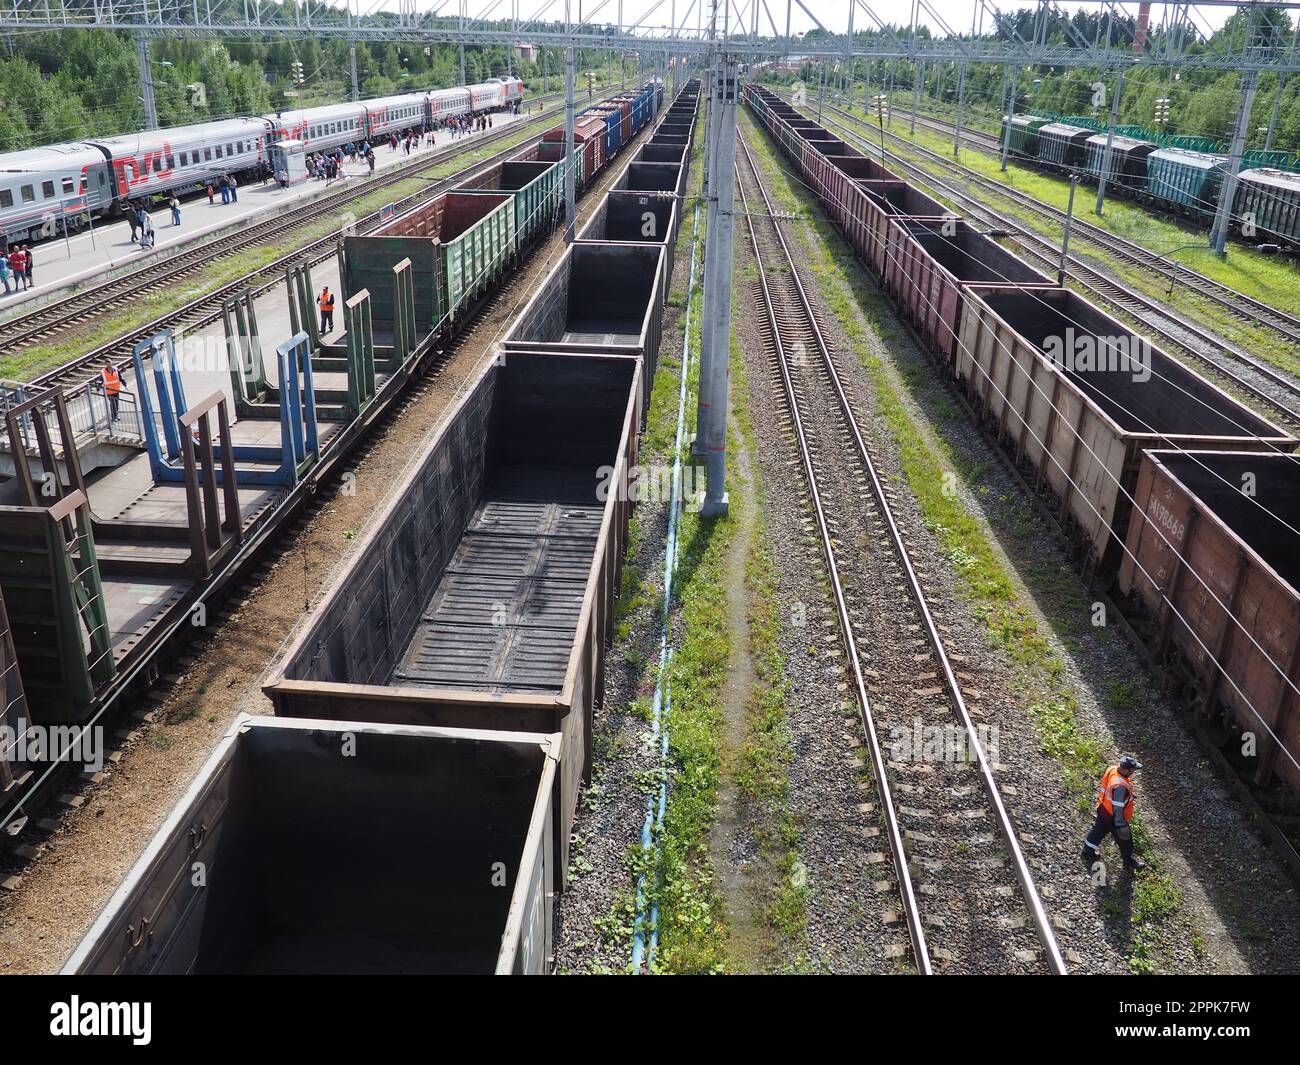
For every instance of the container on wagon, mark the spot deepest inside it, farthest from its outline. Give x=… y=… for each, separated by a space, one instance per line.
x=481 y=597
x=345 y=847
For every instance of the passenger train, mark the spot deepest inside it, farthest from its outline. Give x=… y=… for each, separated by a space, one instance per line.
x=41 y=189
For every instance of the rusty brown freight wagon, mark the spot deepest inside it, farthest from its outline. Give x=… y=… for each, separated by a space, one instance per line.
x=929 y=265
x=884 y=201
x=835 y=181
x=1080 y=397
x=1202 y=552
x=345 y=847
x=481 y=596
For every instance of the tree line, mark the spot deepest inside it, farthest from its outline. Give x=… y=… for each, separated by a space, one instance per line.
x=1202 y=102
x=72 y=84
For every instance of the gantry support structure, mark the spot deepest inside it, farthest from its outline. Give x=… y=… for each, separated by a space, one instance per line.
x=758 y=29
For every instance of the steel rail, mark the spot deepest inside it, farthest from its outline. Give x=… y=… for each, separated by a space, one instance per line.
x=1029 y=892
x=1110 y=290
x=102 y=297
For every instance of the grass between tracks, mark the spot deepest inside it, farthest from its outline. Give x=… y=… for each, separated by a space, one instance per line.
x=681 y=873
x=1269 y=279
x=29 y=362
x=942 y=478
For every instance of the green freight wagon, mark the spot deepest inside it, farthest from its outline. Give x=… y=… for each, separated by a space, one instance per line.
x=1186 y=182
x=457 y=243
x=1024 y=134
x=536 y=186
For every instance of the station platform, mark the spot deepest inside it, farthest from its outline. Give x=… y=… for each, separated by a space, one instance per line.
x=106 y=247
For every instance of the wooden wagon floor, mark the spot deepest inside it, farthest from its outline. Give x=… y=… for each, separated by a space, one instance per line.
x=504 y=616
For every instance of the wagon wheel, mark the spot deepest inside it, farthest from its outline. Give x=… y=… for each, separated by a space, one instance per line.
x=1219 y=729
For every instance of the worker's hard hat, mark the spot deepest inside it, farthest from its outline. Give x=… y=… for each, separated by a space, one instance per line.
x=1129 y=763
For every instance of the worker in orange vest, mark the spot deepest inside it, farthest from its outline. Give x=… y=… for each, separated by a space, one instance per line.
x=112 y=388
x=1115 y=806
x=325 y=301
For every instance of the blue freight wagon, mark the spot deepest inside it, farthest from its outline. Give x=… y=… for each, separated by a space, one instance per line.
x=1187 y=182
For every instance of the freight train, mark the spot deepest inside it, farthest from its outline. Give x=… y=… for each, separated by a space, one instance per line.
x=1183 y=500
x=1179 y=176
x=464 y=651
x=43 y=189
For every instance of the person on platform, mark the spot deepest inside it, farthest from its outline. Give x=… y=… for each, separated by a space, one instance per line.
x=111 y=378
x=325 y=301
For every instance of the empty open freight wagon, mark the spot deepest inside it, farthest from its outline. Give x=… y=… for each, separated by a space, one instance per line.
x=458 y=243
x=1081 y=396
x=1212 y=557
x=651 y=177
x=601 y=298
x=930 y=266
x=344 y=847
x=635 y=218
x=652 y=152
x=537 y=187
x=480 y=597
x=868 y=229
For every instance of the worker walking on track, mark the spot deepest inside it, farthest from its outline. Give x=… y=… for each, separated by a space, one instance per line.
x=325 y=301
x=112 y=388
x=1115 y=806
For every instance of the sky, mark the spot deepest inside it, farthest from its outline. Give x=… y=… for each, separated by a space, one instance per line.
x=832 y=13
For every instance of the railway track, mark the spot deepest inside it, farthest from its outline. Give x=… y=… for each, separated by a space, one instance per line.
x=129 y=708
x=976 y=908
x=1237 y=303
x=50 y=320
x=1236 y=367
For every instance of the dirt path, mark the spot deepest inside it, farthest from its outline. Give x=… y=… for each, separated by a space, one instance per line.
x=744 y=874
